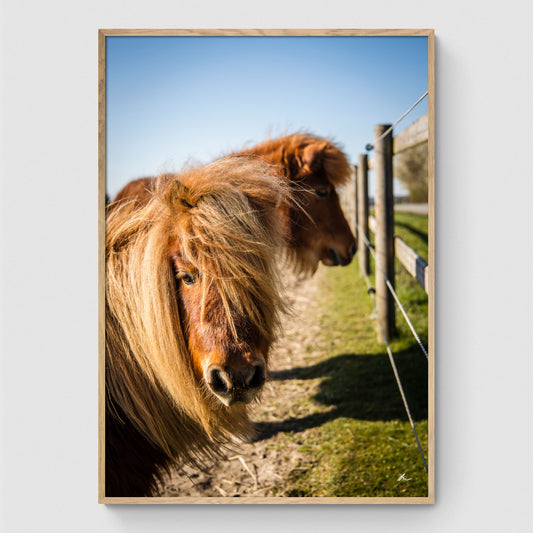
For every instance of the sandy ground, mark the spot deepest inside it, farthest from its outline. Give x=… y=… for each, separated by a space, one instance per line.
x=259 y=468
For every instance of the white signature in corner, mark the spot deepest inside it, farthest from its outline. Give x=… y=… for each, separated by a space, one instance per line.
x=403 y=478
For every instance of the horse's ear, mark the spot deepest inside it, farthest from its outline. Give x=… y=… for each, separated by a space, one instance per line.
x=312 y=155
x=325 y=155
x=179 y=196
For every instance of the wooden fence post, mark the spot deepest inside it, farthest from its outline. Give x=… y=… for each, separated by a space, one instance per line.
x=362 y=214
x=355 y=219
x=384 y=214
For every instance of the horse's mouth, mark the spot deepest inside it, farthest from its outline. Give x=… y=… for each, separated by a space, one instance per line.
x=333 y=258
x=328 y=261
x=244 y=397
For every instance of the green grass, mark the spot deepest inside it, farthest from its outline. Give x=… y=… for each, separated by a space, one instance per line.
x=364 y=443
x=413 y=229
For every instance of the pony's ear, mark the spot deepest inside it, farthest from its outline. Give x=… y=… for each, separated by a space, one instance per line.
x=327 y=156
x=179 y=197
x=312 y=156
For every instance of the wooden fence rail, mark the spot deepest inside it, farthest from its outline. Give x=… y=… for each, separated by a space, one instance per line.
x=387 y=245
x=413 y=263
x=413 y=135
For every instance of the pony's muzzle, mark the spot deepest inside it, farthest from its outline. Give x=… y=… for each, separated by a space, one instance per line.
x=235 y=385
x=335 y=258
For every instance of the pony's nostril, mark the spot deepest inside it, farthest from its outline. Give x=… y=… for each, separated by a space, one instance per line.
x=334 y=256
x=257 y=378
x=218 y=381
x=353 y=249
x=235 y=385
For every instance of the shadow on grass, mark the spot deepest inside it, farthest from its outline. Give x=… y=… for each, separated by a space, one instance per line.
x=420 y=234
x=361 y=387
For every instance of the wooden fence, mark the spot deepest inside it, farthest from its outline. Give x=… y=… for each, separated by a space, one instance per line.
x=387 y=245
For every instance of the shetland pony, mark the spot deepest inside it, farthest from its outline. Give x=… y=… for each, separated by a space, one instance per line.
x=316 y=227
x=192 y=307
x=314 y=223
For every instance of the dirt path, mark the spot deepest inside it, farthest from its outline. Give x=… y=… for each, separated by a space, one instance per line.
x=260 y=468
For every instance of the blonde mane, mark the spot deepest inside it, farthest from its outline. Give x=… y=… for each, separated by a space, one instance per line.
x=301 y=159
x=223 y=219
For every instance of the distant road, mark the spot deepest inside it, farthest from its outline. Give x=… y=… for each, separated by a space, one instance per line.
x=417 y=209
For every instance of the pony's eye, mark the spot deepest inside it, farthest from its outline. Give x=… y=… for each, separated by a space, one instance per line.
x=187 y=278
x=322 y=192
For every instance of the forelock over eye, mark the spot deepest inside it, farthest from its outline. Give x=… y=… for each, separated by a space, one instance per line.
x=322 y=192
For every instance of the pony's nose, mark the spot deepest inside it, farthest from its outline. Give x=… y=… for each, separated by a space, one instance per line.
x=344 y=258
x=334 y=256
x=236 y=384
x=338 y=259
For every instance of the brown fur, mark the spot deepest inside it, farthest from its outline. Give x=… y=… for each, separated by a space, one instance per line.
x=218 y=224
x=315 y=226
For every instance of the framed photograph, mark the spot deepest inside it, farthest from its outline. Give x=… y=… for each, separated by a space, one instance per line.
x=266 y=226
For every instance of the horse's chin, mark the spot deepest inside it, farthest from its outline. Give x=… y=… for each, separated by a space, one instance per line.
x=327 y=261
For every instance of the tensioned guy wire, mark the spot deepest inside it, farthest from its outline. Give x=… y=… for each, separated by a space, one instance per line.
x=371 y=292
x=395 y=296
x=369 y=146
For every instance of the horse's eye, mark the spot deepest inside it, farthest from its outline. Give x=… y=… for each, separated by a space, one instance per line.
x=187 y=278
x=322 y=192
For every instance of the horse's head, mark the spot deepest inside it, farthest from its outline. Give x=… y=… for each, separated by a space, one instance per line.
x=229 y=352
x=315 y=224
x=319 y=230
x=224 y=231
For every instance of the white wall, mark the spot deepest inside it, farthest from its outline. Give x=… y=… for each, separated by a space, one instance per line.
x=48 y=475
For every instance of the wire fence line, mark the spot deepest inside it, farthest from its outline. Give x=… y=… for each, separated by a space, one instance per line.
x=370 y=146
x=371 y=292
x=386 y=241
x=395 y=296
x=386 y=261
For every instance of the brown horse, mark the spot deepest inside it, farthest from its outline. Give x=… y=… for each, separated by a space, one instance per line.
x=315 y=225
x=317 y=229
x=192 y=307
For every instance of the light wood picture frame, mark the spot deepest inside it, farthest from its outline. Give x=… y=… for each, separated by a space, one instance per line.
x=395 y=474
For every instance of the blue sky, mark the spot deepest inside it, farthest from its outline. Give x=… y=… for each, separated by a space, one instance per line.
x=170 y=100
